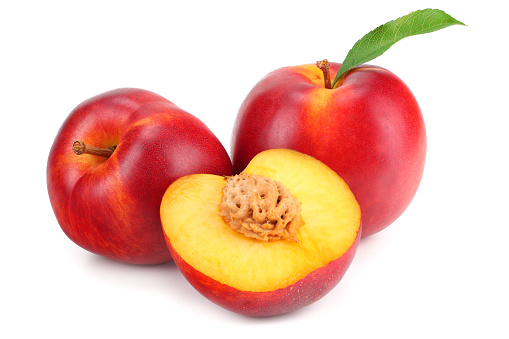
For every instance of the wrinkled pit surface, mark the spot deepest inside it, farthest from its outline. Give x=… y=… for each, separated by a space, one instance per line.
x=260 y=208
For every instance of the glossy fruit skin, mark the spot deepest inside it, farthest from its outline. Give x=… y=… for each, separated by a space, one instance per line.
x=370 y=131
x=304 y=292
x=111 y=207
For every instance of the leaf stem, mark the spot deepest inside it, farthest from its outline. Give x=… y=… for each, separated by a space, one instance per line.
x=336 y=80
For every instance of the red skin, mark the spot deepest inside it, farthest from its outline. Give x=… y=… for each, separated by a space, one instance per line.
x=111 y=207
x=304 y=292
x=370 y=131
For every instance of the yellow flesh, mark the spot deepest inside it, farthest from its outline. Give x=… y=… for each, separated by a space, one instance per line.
x=331 y=216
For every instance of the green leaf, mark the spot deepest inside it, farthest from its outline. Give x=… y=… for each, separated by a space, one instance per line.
x=376 y=42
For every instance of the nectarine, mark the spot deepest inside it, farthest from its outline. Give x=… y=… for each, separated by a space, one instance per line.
x=133 y=144
x=273 y=239
x=369 y=129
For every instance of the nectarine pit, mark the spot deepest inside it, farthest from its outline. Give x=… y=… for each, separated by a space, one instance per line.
x=260 y=208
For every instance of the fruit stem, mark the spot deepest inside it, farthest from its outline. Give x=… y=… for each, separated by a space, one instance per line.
x=324 y=65
x=79 y=148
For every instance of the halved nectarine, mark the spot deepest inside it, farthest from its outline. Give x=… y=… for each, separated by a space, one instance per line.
x=275 y=238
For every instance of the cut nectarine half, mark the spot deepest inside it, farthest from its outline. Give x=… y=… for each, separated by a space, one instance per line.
x=275 y=238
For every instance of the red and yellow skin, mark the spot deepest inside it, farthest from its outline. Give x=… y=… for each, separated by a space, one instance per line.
x=369 y=130
x=110 y=206
x=304 y=292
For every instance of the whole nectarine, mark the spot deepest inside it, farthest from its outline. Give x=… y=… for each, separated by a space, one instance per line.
x=369 y=129
x=133 y=144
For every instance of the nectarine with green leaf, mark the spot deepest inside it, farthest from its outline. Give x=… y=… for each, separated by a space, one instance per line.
x=361 y=120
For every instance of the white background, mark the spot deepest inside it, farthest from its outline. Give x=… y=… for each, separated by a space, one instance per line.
x=440 y=271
